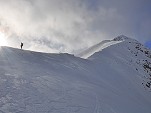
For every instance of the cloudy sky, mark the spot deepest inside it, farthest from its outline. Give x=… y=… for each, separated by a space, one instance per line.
x=72 y=25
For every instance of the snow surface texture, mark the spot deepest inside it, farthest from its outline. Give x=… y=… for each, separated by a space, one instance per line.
x=115 y=79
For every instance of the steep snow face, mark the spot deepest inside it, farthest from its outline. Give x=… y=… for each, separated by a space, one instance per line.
x=114 y=80
x=131 y=53
x=102 y=45
x=98 y=47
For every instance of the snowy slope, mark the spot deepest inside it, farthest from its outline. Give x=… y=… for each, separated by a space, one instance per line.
x=113 y=80
x=98 y=47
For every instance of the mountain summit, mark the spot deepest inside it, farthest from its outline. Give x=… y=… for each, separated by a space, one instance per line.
x=114 y=78
x=102 y=45
x=122 y=38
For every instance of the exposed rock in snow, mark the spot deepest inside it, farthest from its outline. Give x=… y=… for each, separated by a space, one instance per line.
x=123 y=38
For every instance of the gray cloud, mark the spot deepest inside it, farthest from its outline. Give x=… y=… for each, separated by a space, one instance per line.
x=72 y=25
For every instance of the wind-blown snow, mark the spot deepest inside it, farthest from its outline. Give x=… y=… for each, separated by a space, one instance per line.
x=102 y=45
x=113 y=80
x=98 y=47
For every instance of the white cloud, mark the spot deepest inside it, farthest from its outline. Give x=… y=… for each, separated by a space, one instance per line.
x=63 y=25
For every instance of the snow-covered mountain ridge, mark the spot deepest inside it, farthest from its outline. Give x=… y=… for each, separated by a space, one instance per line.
x=116 y=78
x=104 y=44
x=133 y=53
x=123 y=38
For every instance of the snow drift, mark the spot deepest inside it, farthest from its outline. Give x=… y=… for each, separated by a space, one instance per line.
x=114 y=78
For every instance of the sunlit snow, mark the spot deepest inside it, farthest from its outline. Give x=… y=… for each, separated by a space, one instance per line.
x=113 y=80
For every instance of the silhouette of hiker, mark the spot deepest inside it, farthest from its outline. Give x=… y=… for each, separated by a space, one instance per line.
x=21 y=45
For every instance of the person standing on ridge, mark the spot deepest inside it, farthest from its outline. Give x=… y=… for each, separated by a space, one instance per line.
x=21 y=45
